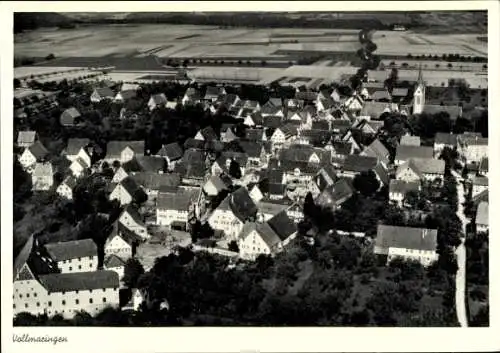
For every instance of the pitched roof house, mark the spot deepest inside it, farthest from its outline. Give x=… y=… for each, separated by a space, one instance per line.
x=417 y=244
x=70 y=117
x=406 y=152
x=26 y=138
x=334 y=195
x=123 y=151
x=408 y=140
x=378 y=150
x=42 y=177
x=101 y=93
x=33 y=154
x=157 y=100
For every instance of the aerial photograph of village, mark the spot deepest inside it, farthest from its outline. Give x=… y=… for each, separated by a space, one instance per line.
x=251 y=169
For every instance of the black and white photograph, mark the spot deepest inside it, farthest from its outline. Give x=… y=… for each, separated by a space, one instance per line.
x=250 y=168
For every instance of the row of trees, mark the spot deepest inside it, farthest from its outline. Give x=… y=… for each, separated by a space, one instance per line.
x=450 y=57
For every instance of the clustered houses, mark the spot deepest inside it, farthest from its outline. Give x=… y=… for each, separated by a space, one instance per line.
x=259 y=207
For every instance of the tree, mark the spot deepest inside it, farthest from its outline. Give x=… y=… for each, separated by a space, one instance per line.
x=17 y=83
x=366 y=183
x=50 y=57
x=233 y=246
x=234 y=169
x=309 y=207
x=133 y=270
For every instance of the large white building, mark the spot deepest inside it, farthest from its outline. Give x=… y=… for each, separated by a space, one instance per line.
x=40 y=288
x=416 y=244
x=74 y=256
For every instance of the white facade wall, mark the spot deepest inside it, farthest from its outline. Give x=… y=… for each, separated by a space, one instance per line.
x=225 y=221
x=68 y=304
x=167 y=217
x=132 y=225
x=426 y=258
x=42 y=183
x=474 y=153
x=120 y=194
x=27 y=159
x=252 y=246
x=82 y=264
x=65 y=191
x=119 y=247
x=29 y=296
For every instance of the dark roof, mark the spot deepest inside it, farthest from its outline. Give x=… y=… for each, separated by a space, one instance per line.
x=179 y=200
x=340 y=125
x=208 y=133
x=272 y=121
x=301 y=153
x=113 y=261
x=33 y=255
x=335 y=194
x=242 y=204
x=270 y=109
x=254 y=134
x=71 y=181
x=70 y=116
x=405 y=152
x=193 y=155
x=375 y=109
x=38 y=150
x=306 y=95
x=115 y=148
x=105 y=92
x=445 y=139
x=69 y=282
x=378 y=150
x=154 y=181
x=159 y=98
x=123 y=232
x=276 y=189
x=405 y=238
x=75 y=145
x=282 y=225
x=130 y=185
x=320 y=125
x=356 y=163
x=327 y=102
x=230 y=99
x=252 y=149
x=342 y=147
x=193 y=93
x=191 y=170
x=213 y=92
x=151 y=163
x=71 y=249
x=192 y=143
x=173 y=151
x=326 y=177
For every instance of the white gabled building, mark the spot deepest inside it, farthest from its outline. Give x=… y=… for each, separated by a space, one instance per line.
x=418 y=244
x=65 y=189
x=33 y=154
x=74 y=256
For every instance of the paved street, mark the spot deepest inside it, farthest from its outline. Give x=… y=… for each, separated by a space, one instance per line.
x=461 y=258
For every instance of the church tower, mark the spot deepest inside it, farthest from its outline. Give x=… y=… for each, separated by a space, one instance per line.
x=419 y=94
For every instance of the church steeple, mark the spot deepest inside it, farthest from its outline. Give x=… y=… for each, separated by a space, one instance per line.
x=420 y=79
x=419 y=94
